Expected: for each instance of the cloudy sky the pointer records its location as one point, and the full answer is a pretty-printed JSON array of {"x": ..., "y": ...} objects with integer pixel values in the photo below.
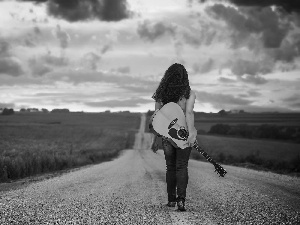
[{"x": 97, "y": 55}]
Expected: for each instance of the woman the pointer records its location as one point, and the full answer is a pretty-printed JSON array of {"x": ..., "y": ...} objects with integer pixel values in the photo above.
[{"x": 174, "y": 87}]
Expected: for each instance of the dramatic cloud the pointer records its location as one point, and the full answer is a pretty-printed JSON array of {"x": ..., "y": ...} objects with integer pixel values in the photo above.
[
  {"x": 192, "y": 38},
  {"x": 295, "y": 105},
  {"x": 32, "y": 38},
  {"x": 6, "y": 105},
  {"x": 264, "y": 23},
  {"x": 124, "y": 69},
  {"x": 248, "y": 71},
  {"x": 132, "y": 102},
  {"x": 203, "y": 33},
  {"x": 253, "y": 79},
  {"x": 226, "y": 80},
  {"x": 62, "y": 36},
  {"x": 4, "y": 48},
  {"x": 54, "y": 60},
  {"x": 288, "y": 6},
  {"x": 9, "y": 64},
  {"x": 259, "y": 108},
  {"x": 152, "y": 31},
  {"x": 111, "y": 39},
  {"x": 240, "y": 67},
  {"x": 120, "y": 80},
  {"x": 239, "y": 54},
  {"x": 37, "y": 30},
  {"x": 267, "y": 39},
  {"x": 230, "y": 102},
  {"x": 106, "y": 48},
  {"x": 29, "y": 43},
  {"x": 287, "y": 52},
  {"x": 204, "y": 67},
  {"x": 292, "y": 101},
  {"x": 90, "y": 61},
  {"x": 44, "y": 64},
  {"x": 141, "y": 88},
  {"x": 254, "y": 93},
  {"x": 178, "y": 45},
  {"x": 38, "y": 68},
  {"x": 81, "y": 10},
  {"x": 221, "y": 100}
]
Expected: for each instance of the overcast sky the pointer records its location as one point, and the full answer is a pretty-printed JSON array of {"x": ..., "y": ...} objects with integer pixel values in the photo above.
[{"x": 97, "y": 55}]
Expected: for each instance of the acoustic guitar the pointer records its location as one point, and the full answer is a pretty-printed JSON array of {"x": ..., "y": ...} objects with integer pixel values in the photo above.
[{"x": 169, "y": 122}]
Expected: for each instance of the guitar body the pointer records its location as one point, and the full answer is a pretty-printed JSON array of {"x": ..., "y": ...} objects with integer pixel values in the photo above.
[{"x": 169, "y": 122}]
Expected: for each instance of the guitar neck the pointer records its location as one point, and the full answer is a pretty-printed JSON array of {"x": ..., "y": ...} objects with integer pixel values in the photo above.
[{"x": 207, "y": 157}]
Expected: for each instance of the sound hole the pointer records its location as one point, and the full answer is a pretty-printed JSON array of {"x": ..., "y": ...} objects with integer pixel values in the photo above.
[{"x": 182, "y": 132}]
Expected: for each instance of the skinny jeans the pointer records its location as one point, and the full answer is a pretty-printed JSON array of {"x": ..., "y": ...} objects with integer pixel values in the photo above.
[{"x": 177, "y": 170}]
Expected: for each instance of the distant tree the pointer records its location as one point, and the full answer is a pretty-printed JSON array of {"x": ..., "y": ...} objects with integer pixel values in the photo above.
[
  {"x": 45, "y": 110},
  {"x": 107, "y": 111},
  {"x": 241, "y": 111},
  {"x": 32, "y": 110},
  {"x": 222, "y": 112},
  {"x": 150, "y": 113},
  {"x": 8, "y": 111},
  {"x": 22, "y": 110},
  {"x": 60, "y": 111}
]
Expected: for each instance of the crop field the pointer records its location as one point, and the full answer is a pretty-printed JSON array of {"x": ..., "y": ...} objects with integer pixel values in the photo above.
[
  {"x": 33, "y": 143},
  {"x": 242, "y": 147},
  {"x": 204, "y": 121},
  {"x": 276, "y": 155}
]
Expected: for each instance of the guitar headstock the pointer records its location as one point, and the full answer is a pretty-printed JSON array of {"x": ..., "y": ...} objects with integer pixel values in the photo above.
[{"x": 220, "y": 170}]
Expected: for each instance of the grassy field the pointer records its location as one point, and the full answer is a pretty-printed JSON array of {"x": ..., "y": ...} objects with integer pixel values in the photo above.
[
  {"x": 34, "y": 143},
  {"x": 241, "y": 147},
  {"x": 274, "y": 155},
  {"x": 264, "y": 154},
  {"x": 204, "y": 121}
]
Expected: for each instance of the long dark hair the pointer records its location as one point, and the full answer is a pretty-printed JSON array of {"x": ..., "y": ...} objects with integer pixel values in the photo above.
[{"x": 173, "y": 85}]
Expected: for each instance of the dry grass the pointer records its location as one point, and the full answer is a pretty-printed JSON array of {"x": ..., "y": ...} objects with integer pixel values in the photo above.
[
  {"x": 33, "y": 143},
  {"x": 241, "y": 148},
  {"x": 206, "y": 121}
]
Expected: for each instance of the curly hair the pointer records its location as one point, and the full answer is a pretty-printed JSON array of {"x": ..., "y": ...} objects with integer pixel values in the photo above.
[{"x": 173, "y": 85}]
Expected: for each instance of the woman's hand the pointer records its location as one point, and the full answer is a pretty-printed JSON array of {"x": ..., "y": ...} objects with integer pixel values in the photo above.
[
  {"x": 154, "y": 146},
  {"x": 192, "y": 137}
]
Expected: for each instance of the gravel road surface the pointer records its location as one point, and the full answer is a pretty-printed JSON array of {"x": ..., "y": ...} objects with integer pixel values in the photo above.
[{"x": 132, "y": 190}]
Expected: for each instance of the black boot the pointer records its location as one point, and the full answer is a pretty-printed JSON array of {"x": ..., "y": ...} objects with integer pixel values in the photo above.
[
  {"x": 171, "y": 204},
  {"x": 181, "y": 204},
  {"x": 171, "y": 200}
]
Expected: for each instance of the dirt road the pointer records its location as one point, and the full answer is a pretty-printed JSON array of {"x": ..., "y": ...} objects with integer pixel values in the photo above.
[{"x": 132, "y": 190}]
